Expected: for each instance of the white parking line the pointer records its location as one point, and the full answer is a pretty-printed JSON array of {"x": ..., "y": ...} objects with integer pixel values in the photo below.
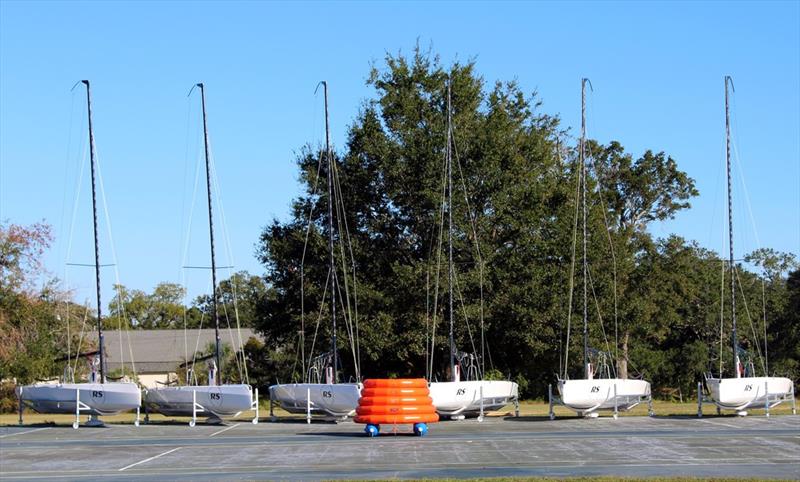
[
  {"x": 21, "y": 433},
  {"x": 149, "y": 459},
  {"x": 717, "y": 422},
  {"x": 225, "y": 429}
]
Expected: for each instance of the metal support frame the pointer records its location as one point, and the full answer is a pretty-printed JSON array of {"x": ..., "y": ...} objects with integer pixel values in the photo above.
[
  {"x": 480, "y": 417},
  {"x": 272, "y": 416},
  {"x": 21, "y": 405},
  {"x": 196, "y": 407},
  {"x": 700, "y": 399},
  {"x": 516, "y": 406},
  {"x": 616, "y": 407},
  {"x": 650, "y": 411},
  {"x": 550, "y": 399},
  {"x": 254, "y": 406},
  {"x": 308, "y": 406},
  {"x": 79, "y": 407},
  {"x": 136, "y": 422},
  {"x": 794, "y": 401},
  {"x": 146, "y": 409},
  {"x": 766, "y": 398}
]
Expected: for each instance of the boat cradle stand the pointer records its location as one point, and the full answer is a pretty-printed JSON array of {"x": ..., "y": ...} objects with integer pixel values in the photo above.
[
  {"x": 273, "y": 403},
  {"x": 591, "y": 412},
  {"x": 482, "y": 412},
  {"x": 703, "y": 399}
]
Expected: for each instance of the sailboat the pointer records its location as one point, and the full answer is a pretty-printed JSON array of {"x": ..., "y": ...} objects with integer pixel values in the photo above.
[
  {"x": 97, "y": 396},
  {"x": 459, "y": 398},
  {"x": 600, "y": 388},
  {"x": 216, "y": 399},
  {"x": 318, "y": 396},
  {"x": 744, "y": 390}
]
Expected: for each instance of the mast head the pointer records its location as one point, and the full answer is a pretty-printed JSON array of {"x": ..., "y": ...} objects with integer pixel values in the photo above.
[{"x": 324, "y": 85}]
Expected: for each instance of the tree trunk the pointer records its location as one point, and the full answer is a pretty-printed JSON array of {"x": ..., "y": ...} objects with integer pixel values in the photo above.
[{"x": 622, "y": 363}]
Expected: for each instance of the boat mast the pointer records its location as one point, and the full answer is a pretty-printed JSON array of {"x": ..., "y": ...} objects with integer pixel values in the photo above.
[
  {"x": 96, "y": 240},
  {"x": 332, "y": 268},
  {"x": 586, "y": 368},
  {"x": 728, "y": 80},
  {"x": 448, "y": 161},
  {"x": 211, "y": 236}
]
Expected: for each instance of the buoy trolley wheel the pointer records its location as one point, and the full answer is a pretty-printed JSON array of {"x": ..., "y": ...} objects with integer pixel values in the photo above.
[
  {"x": 420, "y": 429},
  {"x": 372, "y": 430}
]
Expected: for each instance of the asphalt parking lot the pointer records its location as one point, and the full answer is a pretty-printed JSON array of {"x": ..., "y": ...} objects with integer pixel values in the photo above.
[{"x": 630, "y": 446}]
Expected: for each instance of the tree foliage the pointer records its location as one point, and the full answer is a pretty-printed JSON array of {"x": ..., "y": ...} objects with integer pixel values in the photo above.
[
  {"x": 514, "y": 207},
  {"x": 659, "y": 306},
  {"x": 165, "y": 307}
]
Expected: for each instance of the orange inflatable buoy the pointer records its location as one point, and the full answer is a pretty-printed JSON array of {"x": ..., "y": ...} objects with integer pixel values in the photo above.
[
  {"x": 394, "y": 392},
  {"x": 396, "y": 401},
  {"x": 396, "y": 383}
]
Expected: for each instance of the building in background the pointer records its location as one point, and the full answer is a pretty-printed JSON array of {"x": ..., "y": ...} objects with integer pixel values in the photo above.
[{"x": 158, "y": 354}]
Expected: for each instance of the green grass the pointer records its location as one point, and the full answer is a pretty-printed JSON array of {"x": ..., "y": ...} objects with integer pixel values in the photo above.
[
  {"x": 535, "y": 408},
  {"x": 527, "y": 408}
]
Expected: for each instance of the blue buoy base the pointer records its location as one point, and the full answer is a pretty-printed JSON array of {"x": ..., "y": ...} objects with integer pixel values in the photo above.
[
  {"x": 372, "y": 430},
  {"x": 420, "y": 429}
]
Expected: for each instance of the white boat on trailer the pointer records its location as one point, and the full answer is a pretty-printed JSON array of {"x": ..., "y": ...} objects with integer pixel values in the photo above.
[
  {"x": 334, "y": 400},
  {"x": 457, "y": 398},
  {"x": 592, "y": 393},
  {"x": 313, "y": 397},
  {"x": 90, "y": 398},
  {"x": 97, "y": 397},
  {"x": 338, "y": 400},
  {"x": 744, "y": 390},
  {"x": 588, "y": 396},
  {"x": 740, "y": 394},
  {"x": 473, "y": 397},
  {"x": 210, "y": 401},
  {"x": 216, "y": 399}
]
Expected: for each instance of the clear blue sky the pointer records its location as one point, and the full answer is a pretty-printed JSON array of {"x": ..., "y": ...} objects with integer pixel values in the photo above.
[{"x": 657, "y": 70}]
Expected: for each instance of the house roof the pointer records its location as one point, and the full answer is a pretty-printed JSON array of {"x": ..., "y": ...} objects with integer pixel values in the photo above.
[{"x": 159, "y": 351}]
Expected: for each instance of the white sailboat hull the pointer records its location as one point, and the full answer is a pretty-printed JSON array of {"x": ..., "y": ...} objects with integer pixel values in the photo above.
[
  {"x": 100, "y": 398},
  {"x": 215, "y": 400},
  {"x": 336, "y": 400},
  {"x": 586, "y": 396},
  {"x": 464, "y": 398},
  {"x": 743, "y": 393}
]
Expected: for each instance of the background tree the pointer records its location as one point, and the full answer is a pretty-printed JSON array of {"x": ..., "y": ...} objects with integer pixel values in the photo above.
[
  {"x": 32, "y": 335},
  {"x": 631, "y": 195},
  {"x": 515, "y": 199},
  {"x": 163, "y": 308},
  {"x": 514, "y": 214},
  {"x": 238, "y": 295}
]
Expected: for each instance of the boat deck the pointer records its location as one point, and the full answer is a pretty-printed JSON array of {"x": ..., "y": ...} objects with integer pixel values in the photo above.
[{"x": 631, "y": 446}]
